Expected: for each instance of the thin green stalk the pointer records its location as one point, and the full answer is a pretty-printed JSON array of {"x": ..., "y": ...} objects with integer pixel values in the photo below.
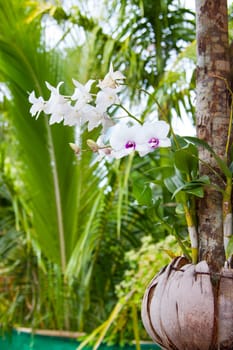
[
  {"x": 104, "y": 327},
  {"x": 181, "y": 244},
  {"x": 213, "y": 170},
  {"x": 57, "y": 198},
  {"x": 172, "y": 231},
  {"x": 227, "y": 214},
  {"x": 229, "y": 128},
  {"x": 192, "y": 234},
  {"x": 54, "y": 171},
  {"x": 117, "y": 309},
  {"x": 122, "y": 190},
  {"x": 227, "y": 206},
  {"x": 135, "y": 326},
  {"x": 231, "y": 115},
  {"x": 129, "y": 114}
]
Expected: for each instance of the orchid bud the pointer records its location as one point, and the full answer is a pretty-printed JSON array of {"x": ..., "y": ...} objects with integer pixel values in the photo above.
[
  {"x": 75, "y": 148},
  {"x": 92, "y": 145}
]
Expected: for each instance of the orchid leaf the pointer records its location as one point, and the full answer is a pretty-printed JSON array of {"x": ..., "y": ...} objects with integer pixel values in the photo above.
[
  {"x": 229, "y": 250},
  {"x": 196, "y": 191},
  {"x": 186, "y": 159},
  {"x": 194, "y": 187},
  {"x": 142, "y": 192},
  {"x": 201, "y": 143},
  {"x": 231, "y": 167},
  {"x": 173, "y": 183},
  {"x": 180, "y": 209},
  {"x": 165, "y": 171}
]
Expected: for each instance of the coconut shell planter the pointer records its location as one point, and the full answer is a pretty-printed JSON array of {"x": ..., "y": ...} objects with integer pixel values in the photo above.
[{"x": 181, "y": 310}]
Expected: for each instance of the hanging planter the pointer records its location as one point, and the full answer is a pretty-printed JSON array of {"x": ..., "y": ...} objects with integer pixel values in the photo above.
[{"x": 182, "y": 310}]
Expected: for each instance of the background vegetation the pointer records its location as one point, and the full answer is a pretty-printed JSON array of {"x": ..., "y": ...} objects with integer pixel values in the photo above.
[{"x": 78, "y": 240}]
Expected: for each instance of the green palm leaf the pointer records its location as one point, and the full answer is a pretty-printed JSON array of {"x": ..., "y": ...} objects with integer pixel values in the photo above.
[{"x": 47, "y": 161}]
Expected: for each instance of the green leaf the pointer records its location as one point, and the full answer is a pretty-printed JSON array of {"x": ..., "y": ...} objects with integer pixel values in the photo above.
[
  {"x": 173, "y": 185},
  {"x": 201, "y": 143},
  {"x": 231, "y": 167},
  {"x": 229, "y": 250},
  {"x": 186, "y": 159},
  {"x": 194, "y": 187},
  {"x": 142, "y": 192},
  {"x": 180, "y": 209},
  {"x": 197, "y": 191},
  {"x": 165, "y": 171}
]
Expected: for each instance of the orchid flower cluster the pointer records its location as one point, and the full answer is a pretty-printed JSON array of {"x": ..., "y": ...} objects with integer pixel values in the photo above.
[{"x": 118, "y": 137}]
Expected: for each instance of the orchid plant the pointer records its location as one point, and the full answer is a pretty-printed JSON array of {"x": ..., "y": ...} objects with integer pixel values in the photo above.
[
  {"x": 82, "y": 108},
  {"x": 122, "y": 135}
]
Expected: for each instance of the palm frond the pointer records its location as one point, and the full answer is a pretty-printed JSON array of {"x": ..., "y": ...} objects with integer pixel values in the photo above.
[{"x": 23, "y": 69}]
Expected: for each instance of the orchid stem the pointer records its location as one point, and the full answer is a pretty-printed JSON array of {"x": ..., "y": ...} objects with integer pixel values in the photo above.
[
  {"x": 231, "y": 114},
  {"x": 192, "y": 234},
  {"x": 227, "y": 207},
  {"x": 227, "y": 215},
  {"x": 129, "y": 114}
]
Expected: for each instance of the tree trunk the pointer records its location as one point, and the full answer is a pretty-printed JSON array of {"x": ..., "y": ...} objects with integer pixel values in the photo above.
[
  {"x": 188, "y": 306},
  {"x": 212, "y": 112}
]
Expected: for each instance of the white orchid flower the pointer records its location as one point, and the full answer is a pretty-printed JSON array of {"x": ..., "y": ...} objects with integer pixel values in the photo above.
[
  {"x": 76, "y": 110},
  {"x": 55, "y": 99},
  {"x": 107, "y": 122},
  {"x": 72, "y": 117},
  {"x": 153, "y": 135},
  {"x": 111, "y": 79},
  {"x": 57, "y": 105},
  {"x": 141, "y": 138},
  {"x": 38, "y": 104},
  {"x": 60, "y": 113},
  {"x": 82, "y": 92},
  {"x": 123, "y": 139},
  {"x": 106, "y": 98},
  {"x": 92, "y": 116}
]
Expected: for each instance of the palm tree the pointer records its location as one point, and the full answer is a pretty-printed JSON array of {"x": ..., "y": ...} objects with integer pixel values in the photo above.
[
  {"x": 54, "y": 184},
  {"x": 140, "y": 37}
]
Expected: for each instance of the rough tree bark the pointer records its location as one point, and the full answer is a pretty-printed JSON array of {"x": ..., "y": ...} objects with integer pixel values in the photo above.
[{"x": 212, "y": 112}]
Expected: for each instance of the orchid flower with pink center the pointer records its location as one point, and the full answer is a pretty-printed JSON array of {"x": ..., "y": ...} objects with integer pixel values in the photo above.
[
  {"x": 111, "y": 79},
  {"x": 153, "y": 135},
  {"x": 144, "y": 138},
  {"x": 123, "y": 139}
]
